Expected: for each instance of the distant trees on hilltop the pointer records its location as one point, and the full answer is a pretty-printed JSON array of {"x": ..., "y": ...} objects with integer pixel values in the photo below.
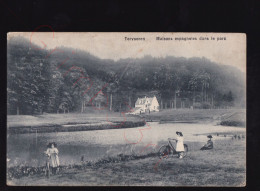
[{"x": 71, "y": 80}]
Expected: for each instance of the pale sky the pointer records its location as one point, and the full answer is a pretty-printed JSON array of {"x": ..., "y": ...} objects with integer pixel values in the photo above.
[{"x": 231, "y": 51}]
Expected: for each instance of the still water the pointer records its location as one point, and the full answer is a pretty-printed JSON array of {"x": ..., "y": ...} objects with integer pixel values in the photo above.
[{"x": 28, "y": 149}]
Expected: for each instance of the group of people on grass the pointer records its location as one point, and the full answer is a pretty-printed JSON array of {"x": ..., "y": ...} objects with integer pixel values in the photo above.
[
  {"x": 180, "y": 145},
  {"x": 53, "y": 161}
]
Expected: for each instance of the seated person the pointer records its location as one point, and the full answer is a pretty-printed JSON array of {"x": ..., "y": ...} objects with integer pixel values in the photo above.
[{"x": 209, "y": 144}]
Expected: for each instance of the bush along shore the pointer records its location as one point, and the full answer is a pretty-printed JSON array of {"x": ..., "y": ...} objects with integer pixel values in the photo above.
[
  {"x": 25, "y": 171},
  {"x": 75, "y": 127},
  {"x": 233, "y": 123}
]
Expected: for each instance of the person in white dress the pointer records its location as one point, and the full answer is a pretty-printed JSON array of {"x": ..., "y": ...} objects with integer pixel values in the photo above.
[
  {"x": 179, "y": 144},
  {"x": 53, "y": 158}
]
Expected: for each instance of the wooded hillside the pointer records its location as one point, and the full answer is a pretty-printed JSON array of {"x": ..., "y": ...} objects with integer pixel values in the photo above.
[{"x": 70, "y": 80}]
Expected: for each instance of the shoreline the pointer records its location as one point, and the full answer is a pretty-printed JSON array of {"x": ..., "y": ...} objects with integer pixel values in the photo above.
[
  {"x": 107, "y": 171},
  {"x": 74, "y": 127},
  {"x": 47, "y": 123}
]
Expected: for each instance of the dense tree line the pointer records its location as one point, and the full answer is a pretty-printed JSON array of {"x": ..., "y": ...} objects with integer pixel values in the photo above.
[{"x": 71, "y": 80}]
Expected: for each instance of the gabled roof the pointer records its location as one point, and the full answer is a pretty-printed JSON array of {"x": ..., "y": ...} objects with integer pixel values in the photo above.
[{"x": 141, "y": 101}]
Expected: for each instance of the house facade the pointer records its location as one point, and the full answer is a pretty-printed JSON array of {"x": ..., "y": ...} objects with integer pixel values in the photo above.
[{"x": 146, "y": 104}]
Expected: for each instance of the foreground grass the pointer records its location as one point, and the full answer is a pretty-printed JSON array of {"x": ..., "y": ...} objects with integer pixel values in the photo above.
[{"x": 222, "y": 166}]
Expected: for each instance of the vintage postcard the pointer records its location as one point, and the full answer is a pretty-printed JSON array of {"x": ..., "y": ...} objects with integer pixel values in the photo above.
[{"x": 126, "y": 109}]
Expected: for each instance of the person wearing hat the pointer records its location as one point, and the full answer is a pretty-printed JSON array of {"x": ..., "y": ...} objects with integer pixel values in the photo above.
[
  {"x": 179, "y": 144},
  {"x": 53, "y": 158},
  {"x": 209, "y": 144}
]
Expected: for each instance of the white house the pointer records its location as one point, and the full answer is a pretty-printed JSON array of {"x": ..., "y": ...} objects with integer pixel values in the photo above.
[{"x": 146, "y": 104}]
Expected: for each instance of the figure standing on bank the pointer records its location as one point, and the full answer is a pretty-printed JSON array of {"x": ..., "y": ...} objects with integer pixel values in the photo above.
[
  {"x": 53, "y": 158},
  {"x": 179, "y": 144}
]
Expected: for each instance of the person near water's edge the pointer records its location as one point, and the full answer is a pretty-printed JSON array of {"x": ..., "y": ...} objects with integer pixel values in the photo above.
[
  {"x": 53, "y": 158},
  {"x": 209, "y": 144},
  {"x": 179, "y": 144}
]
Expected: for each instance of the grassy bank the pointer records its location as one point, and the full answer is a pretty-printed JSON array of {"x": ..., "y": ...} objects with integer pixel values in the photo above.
[
  {"x": 237, "y": 118},
  {"x": 221, "y": 116},
  {"x": 222, "y": 166},
  {"x": 100, "y": 120},
  {"x": 70, "y": 122}
]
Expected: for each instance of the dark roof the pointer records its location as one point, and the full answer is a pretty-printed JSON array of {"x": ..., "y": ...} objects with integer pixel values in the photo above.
[{"x": 141, "y": 101}]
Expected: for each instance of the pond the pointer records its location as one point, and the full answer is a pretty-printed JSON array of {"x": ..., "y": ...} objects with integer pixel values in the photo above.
[{"x": 28, "y": 149}]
